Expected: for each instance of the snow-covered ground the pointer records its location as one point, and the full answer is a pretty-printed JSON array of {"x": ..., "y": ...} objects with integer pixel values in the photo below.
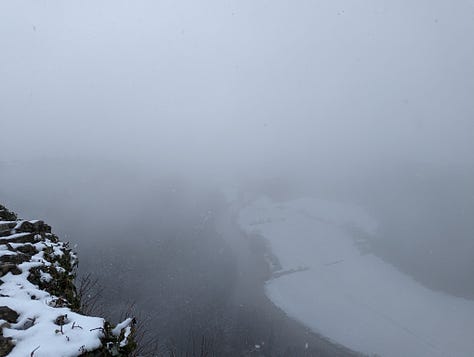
[{"x": 349, "y": 295}]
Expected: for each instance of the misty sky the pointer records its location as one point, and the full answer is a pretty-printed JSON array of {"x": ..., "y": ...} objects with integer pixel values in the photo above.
[{"x": 238, "y": 83}]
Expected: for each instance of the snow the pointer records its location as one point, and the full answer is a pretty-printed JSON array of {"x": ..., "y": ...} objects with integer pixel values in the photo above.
[
  {"x": 35, "y": 329},
  {"x": 354, "y": 298},
  {"x": 14, "y": 236},
  {"x": 122, "y": 325},
  {"x": 46, "y": 277}
]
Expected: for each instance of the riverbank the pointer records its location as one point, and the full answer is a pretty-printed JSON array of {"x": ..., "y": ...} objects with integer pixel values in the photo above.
[
  {"x": 348, "y": 294},
  {"x": 263, "y": 325}
]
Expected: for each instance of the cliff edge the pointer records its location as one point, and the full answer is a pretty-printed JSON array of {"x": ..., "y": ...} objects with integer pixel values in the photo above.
[{"x": 39, "y": 307}]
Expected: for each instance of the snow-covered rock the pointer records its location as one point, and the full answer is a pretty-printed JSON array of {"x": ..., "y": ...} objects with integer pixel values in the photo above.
[{"x": 39, "y": 308}]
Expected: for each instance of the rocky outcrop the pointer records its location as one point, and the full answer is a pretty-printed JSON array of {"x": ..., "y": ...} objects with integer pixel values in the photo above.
[{"x": 39, "y": 307}]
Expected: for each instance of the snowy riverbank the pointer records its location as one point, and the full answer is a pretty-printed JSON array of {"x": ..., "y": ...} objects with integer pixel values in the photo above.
[{"x": 348, "y": 294}]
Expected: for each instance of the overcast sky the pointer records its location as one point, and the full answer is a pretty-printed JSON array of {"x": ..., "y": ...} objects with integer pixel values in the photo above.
[{"x": 238, "y": 83}]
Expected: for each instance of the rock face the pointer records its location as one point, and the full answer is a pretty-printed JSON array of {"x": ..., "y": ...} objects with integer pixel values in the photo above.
[{"x": 39, "y": 307}]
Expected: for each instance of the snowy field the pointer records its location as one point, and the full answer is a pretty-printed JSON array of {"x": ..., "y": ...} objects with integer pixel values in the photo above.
[{"x": 349, "y": 295}]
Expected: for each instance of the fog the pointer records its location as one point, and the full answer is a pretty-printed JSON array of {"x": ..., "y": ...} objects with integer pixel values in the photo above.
[
  {"x": 207, "y": 84},
  {"x": 127, "y": 125}
]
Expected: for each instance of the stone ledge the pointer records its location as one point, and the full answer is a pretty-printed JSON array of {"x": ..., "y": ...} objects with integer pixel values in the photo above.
[{"x": 39, "y": 307}]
